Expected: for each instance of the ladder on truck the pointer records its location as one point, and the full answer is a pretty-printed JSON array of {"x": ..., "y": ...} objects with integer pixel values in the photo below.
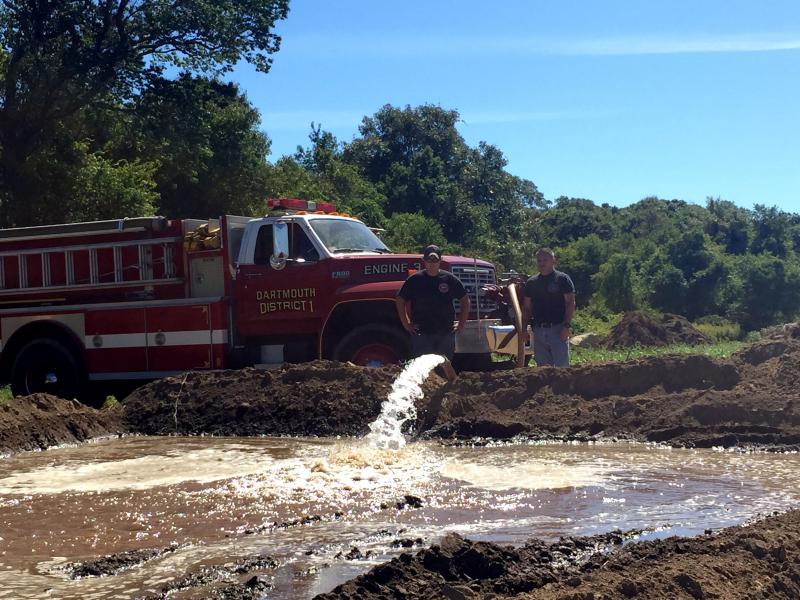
[{"x": 87, "y": 265}]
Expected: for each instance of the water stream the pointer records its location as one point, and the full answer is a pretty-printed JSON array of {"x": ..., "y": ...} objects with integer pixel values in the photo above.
[{"x": 399, "y": 407}]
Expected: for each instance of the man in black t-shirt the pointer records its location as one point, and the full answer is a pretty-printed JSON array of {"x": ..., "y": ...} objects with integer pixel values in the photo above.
[
  {"x": 429, "y": 295},
  {"x": 549, "y": 305}
]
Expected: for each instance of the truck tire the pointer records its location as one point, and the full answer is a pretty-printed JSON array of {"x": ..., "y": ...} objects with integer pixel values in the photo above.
[
  {"x": 47, "y": 366},
  {"x": 373, "y": 346}
]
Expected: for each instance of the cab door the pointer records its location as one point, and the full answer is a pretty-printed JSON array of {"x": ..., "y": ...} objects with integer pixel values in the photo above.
[{"x": 284, "y": 296}]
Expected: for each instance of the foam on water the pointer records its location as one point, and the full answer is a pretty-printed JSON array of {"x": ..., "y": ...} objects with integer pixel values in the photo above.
[{"x": 386, "y": 430}]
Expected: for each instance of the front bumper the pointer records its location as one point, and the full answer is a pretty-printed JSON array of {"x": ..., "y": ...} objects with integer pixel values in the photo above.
[
  {"x": 485, "y": 336},
  {"x": 497, "y": 334}
]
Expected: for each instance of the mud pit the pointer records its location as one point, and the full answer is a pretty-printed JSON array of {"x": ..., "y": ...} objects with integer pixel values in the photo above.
[
  {"x": 212, "y": 517},
  {"x": 201, "y": 517}
]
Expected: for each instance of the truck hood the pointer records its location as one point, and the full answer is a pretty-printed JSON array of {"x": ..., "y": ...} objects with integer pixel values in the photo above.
[{"x": 409, "y": 259}]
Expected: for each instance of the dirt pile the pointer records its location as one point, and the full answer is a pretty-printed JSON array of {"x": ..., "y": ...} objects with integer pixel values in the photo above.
[
  {"x": 460, "y": 568},
  {"x": 318, "y": 398},
  {"x": 115, "y": 563},
  {"x": 683, "y": 400},
  {"x": 787, "y": 331},
  {"x": 639, "y": 329},
  {"x": 758, "y": 561},
  {"x": 40, "y": 421}
]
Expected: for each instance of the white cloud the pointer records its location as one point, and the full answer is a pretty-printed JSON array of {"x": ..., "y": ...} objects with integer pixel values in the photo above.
[
  {"x": 430, "y": 46},
  {"x": 637, "y": 45}
]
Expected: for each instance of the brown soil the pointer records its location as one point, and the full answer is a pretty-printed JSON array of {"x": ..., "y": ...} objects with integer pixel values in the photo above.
[
  {"x": 758, "y": 561},
  {"x": 639, "y": 329},
  {"x": 115, "y": 563},
  {"x": 40, "y": 421},
  {"x": 318, "y": 398},
  {"x": 683, "y": 400},
  {"x": 787, "y": 331}
]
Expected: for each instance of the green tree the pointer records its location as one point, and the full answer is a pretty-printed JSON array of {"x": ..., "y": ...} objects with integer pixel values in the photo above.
[
  {"x": 666, "y": 285},
  {"x": 660, "y": 220},
  {"x": 206, "y": 135},
  {"x": 59, "y": 58},
  {"x": 106, "y": 189},
  {"x": 730, "y": 225},
  {"x": 340, "y": 182},
  {"x": 411, "y": 232},
  {"x": 419, "y": 161},
  {"x": 571, "y": 219},
  {"x": 615, "y": 284},
  {"x": 767, "y": 290},
  {"x": 773, "y": 230}
]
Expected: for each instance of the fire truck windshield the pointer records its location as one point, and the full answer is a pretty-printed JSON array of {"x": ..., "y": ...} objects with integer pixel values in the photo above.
[{"x": 344, "y": 235}]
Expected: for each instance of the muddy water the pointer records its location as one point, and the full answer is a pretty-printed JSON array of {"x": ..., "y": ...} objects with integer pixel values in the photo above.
[{"x": 216, "y": 499}]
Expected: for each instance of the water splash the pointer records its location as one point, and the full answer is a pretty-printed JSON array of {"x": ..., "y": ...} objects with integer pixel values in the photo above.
[{"x": 385, "y": 431}]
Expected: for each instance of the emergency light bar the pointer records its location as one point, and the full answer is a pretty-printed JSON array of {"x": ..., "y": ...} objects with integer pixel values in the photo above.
[{"x": 296, "y": 204}]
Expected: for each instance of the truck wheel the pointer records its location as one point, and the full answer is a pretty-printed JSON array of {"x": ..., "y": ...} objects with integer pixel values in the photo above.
[
  {"x": 373, "y": 346},
  {"x": 46, "y": 366}
]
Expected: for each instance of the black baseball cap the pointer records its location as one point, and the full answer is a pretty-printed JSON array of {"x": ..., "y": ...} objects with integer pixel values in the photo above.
[{"x": 432, "y": 250}]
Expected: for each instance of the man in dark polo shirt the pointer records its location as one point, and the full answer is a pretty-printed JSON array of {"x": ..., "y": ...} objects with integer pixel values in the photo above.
[
  {"x": 425, "y": 308},
  {"x": 549, "y": 304}
]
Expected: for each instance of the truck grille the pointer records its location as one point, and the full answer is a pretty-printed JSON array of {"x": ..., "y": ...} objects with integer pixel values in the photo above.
[{"x": 473, "y": 279}]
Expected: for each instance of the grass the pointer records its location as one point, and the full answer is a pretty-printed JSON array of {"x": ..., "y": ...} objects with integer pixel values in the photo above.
[
  {"x": 721, "y": 331},
  {"x": 5, "y": 394},
  {"x": 584, "y": 356},
  {"x": 110, "y": 402}
]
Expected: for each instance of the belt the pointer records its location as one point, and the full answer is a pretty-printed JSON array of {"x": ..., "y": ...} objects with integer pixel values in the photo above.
[{"x": 546, "y": 324}]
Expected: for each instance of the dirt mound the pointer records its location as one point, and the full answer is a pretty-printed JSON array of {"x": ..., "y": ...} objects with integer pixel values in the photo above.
[
  {"x": 683, "y": 400},
  {"x": 787, "y": 331},
  {"x": 639, "y": 329},
  {"x": 39, "y": 421},
  {"x": 460, "y": 568},
  {"x": 758, "y": 561},
  {"x": 319, "y": 398}
]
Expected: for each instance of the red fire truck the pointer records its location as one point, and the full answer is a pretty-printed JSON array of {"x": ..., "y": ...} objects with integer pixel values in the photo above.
[{"x": 142, "y": 298}]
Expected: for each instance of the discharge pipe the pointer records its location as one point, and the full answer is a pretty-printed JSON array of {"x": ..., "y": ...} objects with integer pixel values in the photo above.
[{"x": 518, "y": 324}]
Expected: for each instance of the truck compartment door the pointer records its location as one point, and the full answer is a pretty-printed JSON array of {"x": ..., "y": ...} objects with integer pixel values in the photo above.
[
  {"x": 116, "y": 341},
  {"x": 179, "y": 337}
]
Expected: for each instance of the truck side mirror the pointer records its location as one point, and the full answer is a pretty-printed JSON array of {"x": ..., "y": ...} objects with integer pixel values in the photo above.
[{"x": 280, "y": 246}]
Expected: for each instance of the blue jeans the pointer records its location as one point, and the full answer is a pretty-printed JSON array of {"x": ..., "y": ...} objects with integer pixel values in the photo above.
[{"x": 548, "y": 349}]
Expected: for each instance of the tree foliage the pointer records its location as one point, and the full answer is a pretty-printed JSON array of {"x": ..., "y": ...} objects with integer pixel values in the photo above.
[
  {"x": 59, "y": 60},
  {"x": 411, "y": 232}
]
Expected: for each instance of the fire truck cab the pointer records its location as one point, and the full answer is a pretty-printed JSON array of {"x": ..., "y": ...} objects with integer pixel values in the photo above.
[{"x": 150, "y": 297}]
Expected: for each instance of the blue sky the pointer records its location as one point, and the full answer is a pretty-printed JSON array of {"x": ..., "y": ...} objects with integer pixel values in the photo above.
[{"x": 607, "y": 100}]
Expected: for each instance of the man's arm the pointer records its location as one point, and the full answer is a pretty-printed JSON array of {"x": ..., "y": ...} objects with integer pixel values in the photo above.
[
  {"x": 569, "y": 312},
  {"x": 527, "y": 313},
  {"x": 402, "y": 312},
  {"x": 463, "y": 313}
]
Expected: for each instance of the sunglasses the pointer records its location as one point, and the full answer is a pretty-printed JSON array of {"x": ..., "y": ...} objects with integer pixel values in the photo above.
[{"x": 431, "y": 259}]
